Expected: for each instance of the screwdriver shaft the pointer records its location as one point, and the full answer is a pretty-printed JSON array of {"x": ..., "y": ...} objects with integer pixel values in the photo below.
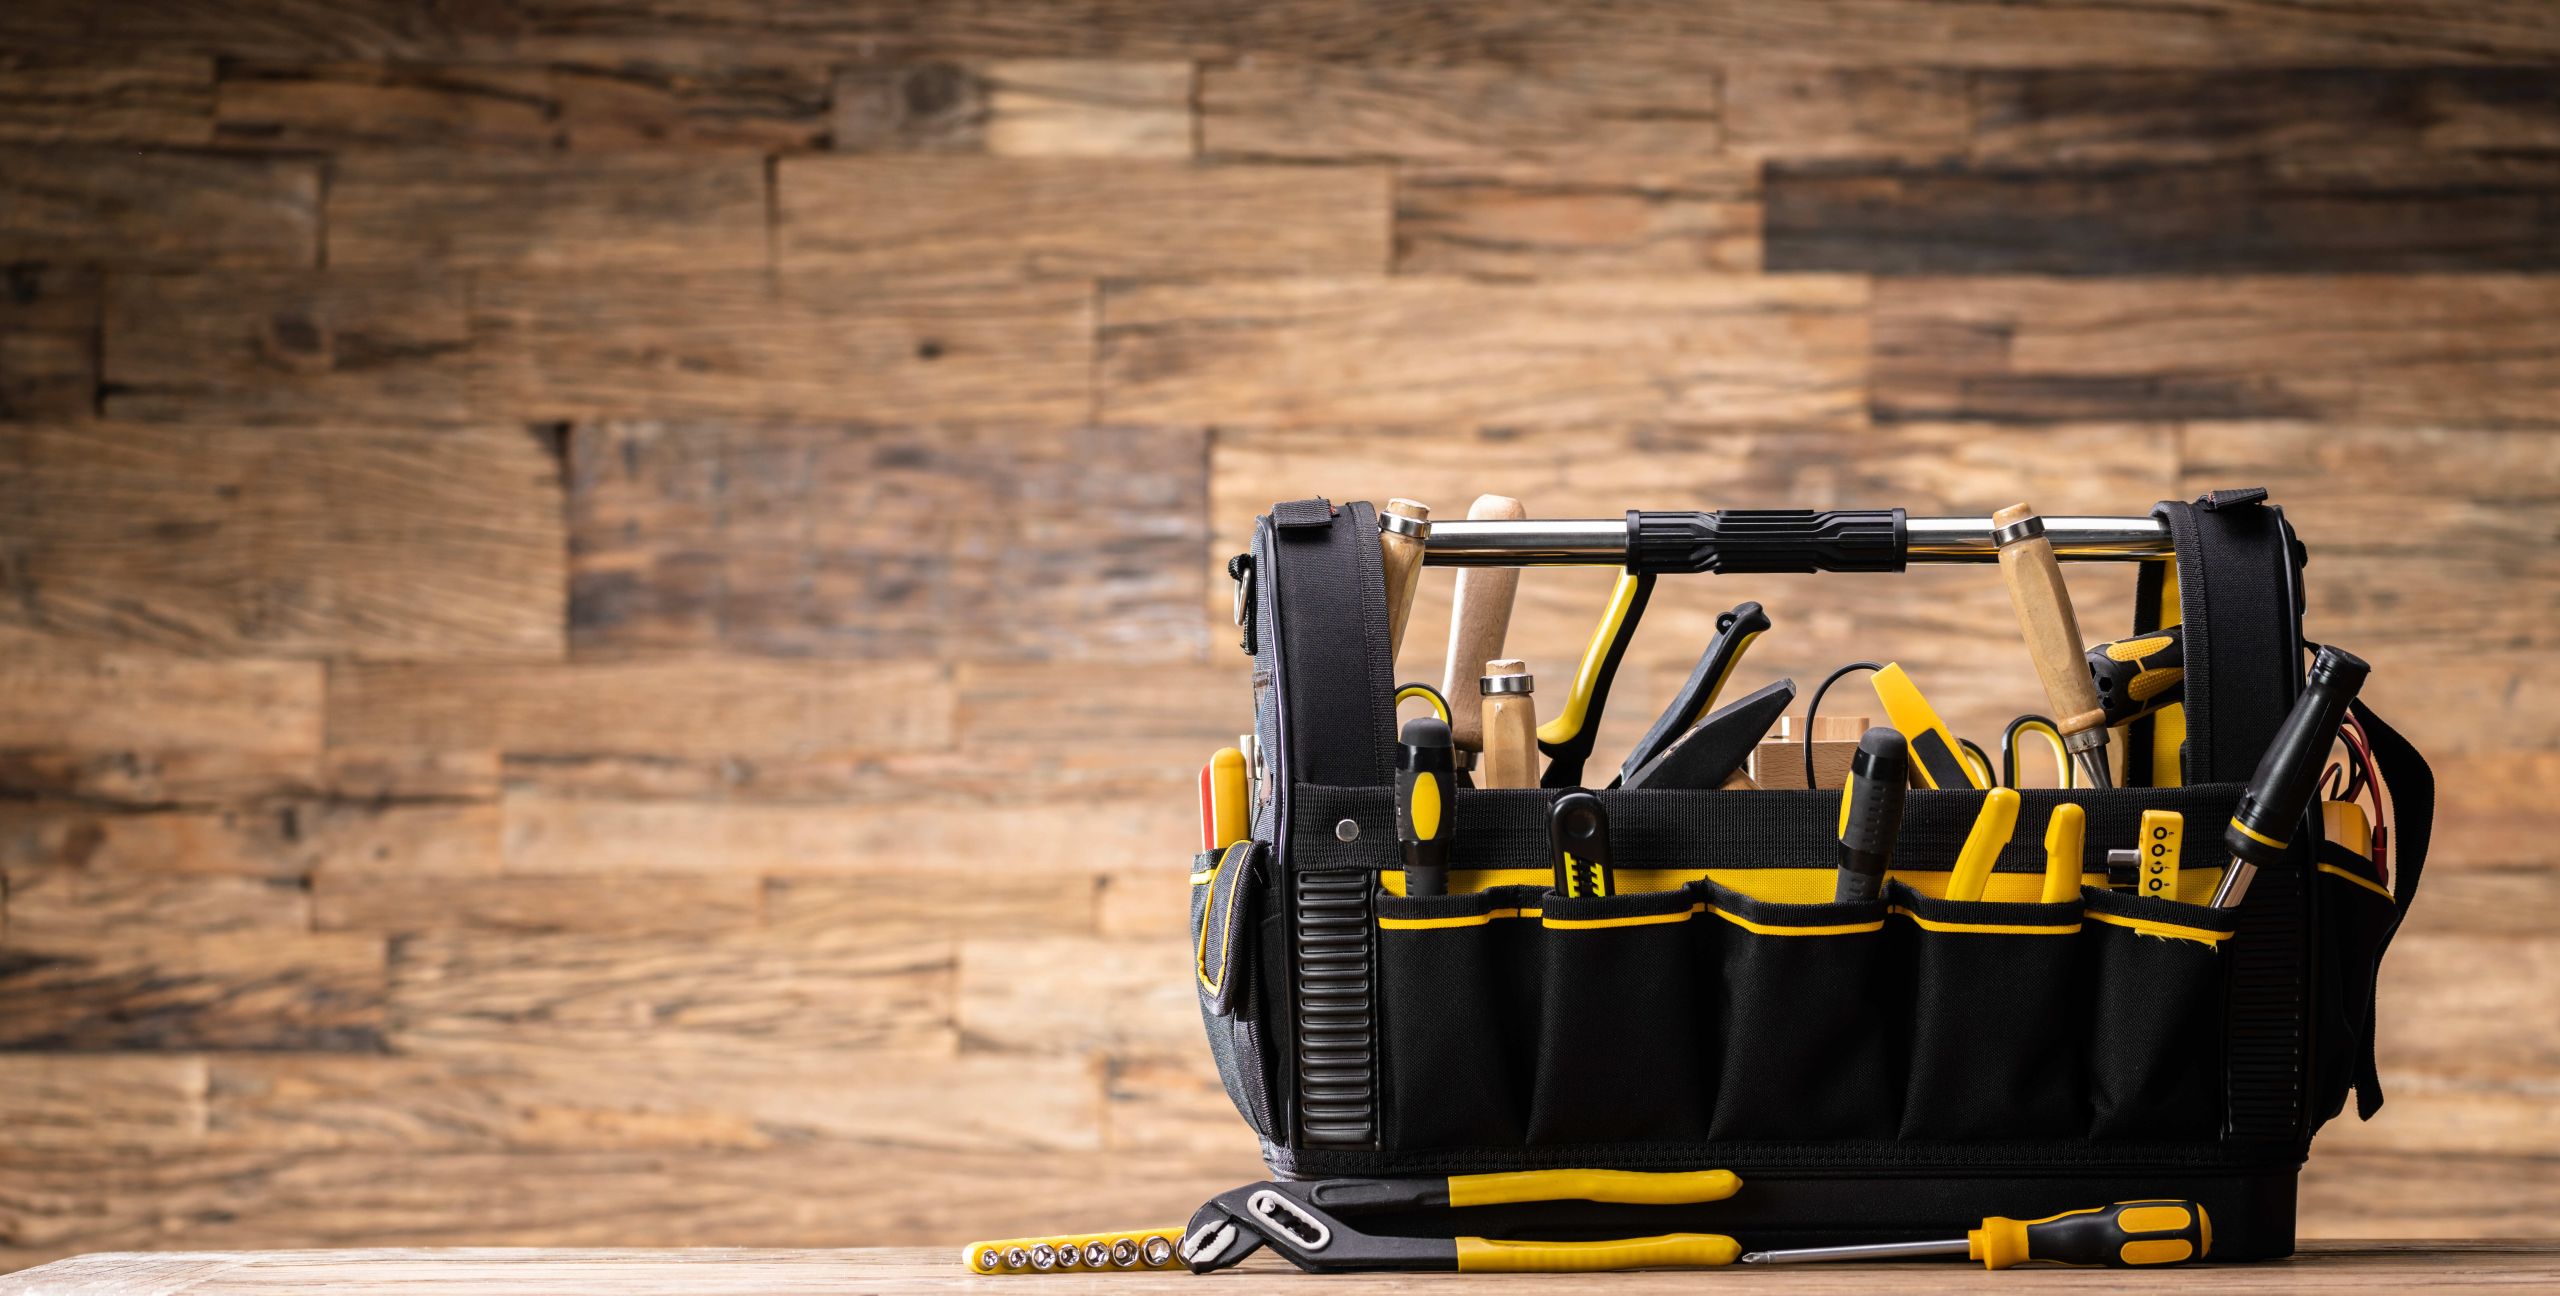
[{"x": 1869, "y": 1251}]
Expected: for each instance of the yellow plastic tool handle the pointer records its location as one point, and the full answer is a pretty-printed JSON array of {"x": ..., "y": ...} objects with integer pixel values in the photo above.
[
  {"x": 2127, "y": 1235},
  {"x": 1671, "y": 1250},
  {"x": 1616, "y": 1187},
  {"x": 1934, "y": 752},
  {"x": 1991, "y": 830},
  {"x": 2064, "y": 832},
  {"x": 2164, "y": 832}
]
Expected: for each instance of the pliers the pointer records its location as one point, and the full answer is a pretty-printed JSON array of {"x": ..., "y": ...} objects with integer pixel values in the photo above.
[{"x": 1305, "y": 1223}]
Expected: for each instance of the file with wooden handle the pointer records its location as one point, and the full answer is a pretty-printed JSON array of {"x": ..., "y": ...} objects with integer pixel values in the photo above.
[
  {"x": 1510, "y": 757},
  {"x": 2052, "y": 630}
]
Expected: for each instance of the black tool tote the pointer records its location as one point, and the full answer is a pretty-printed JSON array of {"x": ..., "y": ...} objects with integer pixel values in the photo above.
[{"x": 1875, "y": 1071}]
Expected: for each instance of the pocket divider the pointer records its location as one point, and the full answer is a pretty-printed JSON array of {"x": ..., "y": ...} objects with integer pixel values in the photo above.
[{"x": 2001, "y": 1001}]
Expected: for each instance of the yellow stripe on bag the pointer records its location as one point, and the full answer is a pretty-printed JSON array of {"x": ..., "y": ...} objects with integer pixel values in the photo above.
[
  {"x": 1777, "y": 885},
  {"x": 2154, "y": 927},
  {"x": 1990, "y": 929},
  {"x": 2367, "y": 883}
]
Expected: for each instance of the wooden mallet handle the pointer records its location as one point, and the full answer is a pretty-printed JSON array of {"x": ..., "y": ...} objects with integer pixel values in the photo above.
[
  {"x": 1400, "y": 545},
  {"x": 1478, "y": 621}
]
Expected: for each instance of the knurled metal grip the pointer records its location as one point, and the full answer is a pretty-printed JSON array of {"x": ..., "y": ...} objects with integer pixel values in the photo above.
[{"x": 1767, "y": 540}]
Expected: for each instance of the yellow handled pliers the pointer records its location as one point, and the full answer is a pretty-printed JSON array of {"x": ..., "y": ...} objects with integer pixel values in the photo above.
[{"x": 1307, "y": 1223}]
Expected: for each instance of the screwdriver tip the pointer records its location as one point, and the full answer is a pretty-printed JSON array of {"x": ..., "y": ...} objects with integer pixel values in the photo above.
[{"x": 1755, "y": 1257}]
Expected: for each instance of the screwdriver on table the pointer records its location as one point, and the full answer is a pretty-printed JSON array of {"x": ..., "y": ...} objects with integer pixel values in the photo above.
[
  {"x": 2280, "y": 791},
  {"x": 2127, "y": 1235},
  {"x": 2052, "y": 632}
]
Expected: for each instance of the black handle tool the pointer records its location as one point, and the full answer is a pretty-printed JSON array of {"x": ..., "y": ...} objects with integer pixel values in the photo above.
[
  {"x": 2262, "y": 824},
  {"x": 1871, "y": 813},
  {"x": 1578, "y": 831},
  {"x": 1734, "y": 632},
  {"x": 1713, "y": 752}
]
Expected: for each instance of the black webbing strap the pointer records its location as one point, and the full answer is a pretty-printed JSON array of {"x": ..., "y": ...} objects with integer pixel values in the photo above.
[
  {"x": 2412, "y": 786},
  {"x": 2236, "y": 595}
]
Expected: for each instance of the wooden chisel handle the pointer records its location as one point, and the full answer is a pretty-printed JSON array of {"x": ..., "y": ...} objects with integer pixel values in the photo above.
[
  {"x": 2052, "y": 631},
  {"x": 1400, "y": 545},
  {"x": 1478, "y": 620}
]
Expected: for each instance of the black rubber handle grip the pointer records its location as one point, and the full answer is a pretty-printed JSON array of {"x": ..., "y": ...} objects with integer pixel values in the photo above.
[
  {"x": 1767, "y": 540},
  {"x": 2262, "y": 824}
]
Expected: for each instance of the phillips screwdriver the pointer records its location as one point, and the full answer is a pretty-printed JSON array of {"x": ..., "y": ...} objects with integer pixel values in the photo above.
[
  {"x": 1871, "y": 814},
  {"x": 2280, "y": 791},
  {"x": 2127, "y": 1235},
  {"x": 1425, "y": 780},
  {"x": 2137, "y": 676},
  {"x": 2034, "y": 577},
  {"x": 1404, "y": 526}
]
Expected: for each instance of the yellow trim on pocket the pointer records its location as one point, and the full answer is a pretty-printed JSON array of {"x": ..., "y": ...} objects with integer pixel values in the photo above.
[
  {"x": 2154, "y": 927},
  {"x": 1776, "y": 885},
  {"x": 2367, "y": 883},
  {"x": 1990, "y": 929},
  {"x": 1204, "y": 877},
  {"x": 1780, "y": 929},
  {"x": 1454, "y": 920},
  {"x": 1630, "y": 920}
]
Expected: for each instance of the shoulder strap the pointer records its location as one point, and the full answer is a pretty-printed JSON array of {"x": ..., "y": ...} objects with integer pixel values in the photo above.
[
  {"x": 2239, "y": 582},
  {"x": 2413, "y": 812}
]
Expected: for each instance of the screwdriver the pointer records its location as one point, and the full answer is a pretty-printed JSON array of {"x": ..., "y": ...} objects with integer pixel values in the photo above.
[
  {"x": 1871, "y": 814},
  {"x": 2127, "y": 1235},
  {"x": 2137, "y": 676},
  {"x": 2263, "y": 823},
  {"x": 2052, "y": 632},
  {"x": 1404, "y": 527},
  {"x": 1424, "y": 779}
]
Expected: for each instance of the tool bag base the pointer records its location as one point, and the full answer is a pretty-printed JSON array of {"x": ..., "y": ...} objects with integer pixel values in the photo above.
[{"x": 1873, "y": 1070}]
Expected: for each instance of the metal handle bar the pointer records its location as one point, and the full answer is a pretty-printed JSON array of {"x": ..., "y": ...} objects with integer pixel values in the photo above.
[{"x": 1774, "y": 540}]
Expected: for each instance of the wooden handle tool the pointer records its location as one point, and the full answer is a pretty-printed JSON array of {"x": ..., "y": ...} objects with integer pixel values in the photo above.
[
  {"x": 1478, "y": 620},
  {"x": 1403, "y": 526},
  {"x": 1510, "y": 727},
  {"x": 2053, "y": 637}
]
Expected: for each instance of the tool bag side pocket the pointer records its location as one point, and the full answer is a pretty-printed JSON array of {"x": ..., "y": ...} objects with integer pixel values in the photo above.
[
  {"x": 2155, "y": 1042},
  {"x": 1459, "y": 1009},
  {"x": 1810, "y": 1009},
  {"x": 2357, "y": 913},
  {"x": 1625, "y": 1035},
  {"x": 1999, "y": 1006},
  {"x": 1223, "y": 921}
]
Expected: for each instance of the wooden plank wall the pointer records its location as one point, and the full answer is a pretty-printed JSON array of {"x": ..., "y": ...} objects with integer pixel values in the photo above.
[{"x": 609, "y": 608}]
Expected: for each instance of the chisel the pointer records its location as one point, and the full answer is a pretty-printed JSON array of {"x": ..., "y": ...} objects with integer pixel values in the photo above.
[
  {"x": 2280, "y": 791},
  {"x": 1404, "y": 526},
  {"x": 2034, "y": 576},
  {"x": 1478, "y": 621},
  {"x": 1510, "y": 757}
]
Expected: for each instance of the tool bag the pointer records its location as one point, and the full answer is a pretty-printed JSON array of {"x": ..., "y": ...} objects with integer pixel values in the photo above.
[{"x": 1874, "y": 1071}]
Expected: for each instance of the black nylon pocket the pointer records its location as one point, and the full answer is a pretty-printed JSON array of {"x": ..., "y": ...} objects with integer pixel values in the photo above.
[
  {"x": 1811, "y": 1007},
  {"x": 2155, "y": 1044},
  {"x": 2000, "y": 1007},
  {"x": 2356, "y": 917},
  {"x": 1459, "y": 1015},
  {"x": 1624, "y": 1041},
  {"x": 1223, "y": 923}
]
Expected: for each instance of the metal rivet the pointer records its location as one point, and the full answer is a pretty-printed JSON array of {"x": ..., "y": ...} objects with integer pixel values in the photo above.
[{"x": 1347, "y": 830}]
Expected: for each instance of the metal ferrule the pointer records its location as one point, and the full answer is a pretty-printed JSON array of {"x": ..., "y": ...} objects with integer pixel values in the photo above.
[
  {"x": 1509, "y": 684},
  {"x": 2025, "y": 528},
  {"x": 1602, "y": 542},
  {"x": 1398, "y": 524}
]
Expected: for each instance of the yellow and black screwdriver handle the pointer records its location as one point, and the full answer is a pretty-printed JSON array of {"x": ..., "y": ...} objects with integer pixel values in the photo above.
[
  {"x": 1309, "y": 1223},
  {"x": 2127, "y": 1235},
  {"x": 2137, "y": 676}
]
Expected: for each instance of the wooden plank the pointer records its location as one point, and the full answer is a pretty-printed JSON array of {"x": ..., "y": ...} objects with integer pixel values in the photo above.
[
  {"x": 548, "y": 1271},
  {"x": 2451, "y": 1115},
  {"x": 460, "y": 992},
  {"x": 1063, "y": 994},
  {"x": 1484, "y": 112},
  {"x": 870, "y": 541},
  {"x": 1037, "y": 828},
  {"x": 841, "y": 1193},
  {"x": 2435, "y": 351},
  {"x": 278, "y": 842},
  {"x": 411, "y": 902},
  {"x": 2441, "y": 1013},
  {"x": 1146, "y": 901},
  {"x": 2239, "y": 217},
  {"x": 573, "y": 212},
  {"x": 2497, "y": 701},
  {"x": 2488, "y": 802},
  {"x": 1798, "y": 110},
  {"x": 46, "y": 903},
  {"x": 713, "y": 707},
  {"x": 354, "y": 105},
  {"x": 726, "y": 1097},
  {"x": 296, "y": 542},
  {"x": 909, "y": 106},
  {"x": 2488, "y": 901},
  {"x": 151, "y": 97},
  {"x": 2391, "y": 117},
  {"x": 925, "y": 216},
  {"x": 161, "y": 991},
  {"x": 100, "y": 1103},
  {"x": 360, "y": 773},
  {"x": 48, "y": 342},
  {"x": 2362, "y": 1195},
  {"x": 1445, "y": 351},
  {"x": 806, "y": 346},
  {"x": 142, "y": 778},
  {"x": 1171, "y": 1105},
  {"x": 1089, "y": 108},
  {"x": 693, "y": 105},
  {"x": 1933, "y": 619},
  {"x": 83, "y": 699},
  {"x": 2424, "y": 537},
  {"x": 267, "y": 29},
  {"x": 123, "y": 207},
  {"x": 1583, "y": 217},
  {"x": 392, "y": 347},
  {"x": 1137, "y": 719},
  {"x": 884, "y": 908}
]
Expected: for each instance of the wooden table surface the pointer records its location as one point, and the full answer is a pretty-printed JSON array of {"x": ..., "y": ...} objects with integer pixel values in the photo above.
[{"x": 2323, "y": 1266}]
